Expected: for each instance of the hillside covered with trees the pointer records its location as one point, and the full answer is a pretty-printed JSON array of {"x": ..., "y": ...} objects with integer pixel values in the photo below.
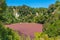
[{"x": 49, "y": 17}]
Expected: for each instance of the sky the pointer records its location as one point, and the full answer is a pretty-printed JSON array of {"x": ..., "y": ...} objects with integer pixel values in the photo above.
[{"x": 31, "y": 3}]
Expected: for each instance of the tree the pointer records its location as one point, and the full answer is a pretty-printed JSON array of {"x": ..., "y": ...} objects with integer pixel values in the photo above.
[
  {"x": 2, "y": 9},
  {"x": 2, "y": 5},
  {"x": 52, "y": 26},
  {"x": 53, "y": 29},
  {"x": 8, "y": 34}
]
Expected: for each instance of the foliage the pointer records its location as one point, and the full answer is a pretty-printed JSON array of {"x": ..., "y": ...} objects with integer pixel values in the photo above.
[
  {"x": 2, "y": 6},
  {"x": 40, "y": 36},
  {"x": 27, "y": 14},
  {"x": 43, "y": 36},
  {"x": 52, "y": 26},
  {"x": 8, "y": 34}
]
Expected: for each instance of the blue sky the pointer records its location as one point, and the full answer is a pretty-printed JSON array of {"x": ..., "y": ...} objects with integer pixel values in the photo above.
[{"x": 31, "y": 3}]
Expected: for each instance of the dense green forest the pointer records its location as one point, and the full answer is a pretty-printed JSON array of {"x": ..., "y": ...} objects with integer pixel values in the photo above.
[
  {"x": 15, "y": 14},
  {"x": 49, "y": 17}
]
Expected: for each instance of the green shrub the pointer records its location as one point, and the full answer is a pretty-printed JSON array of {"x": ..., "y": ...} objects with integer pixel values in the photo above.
[{"x": 8, "y": 34}]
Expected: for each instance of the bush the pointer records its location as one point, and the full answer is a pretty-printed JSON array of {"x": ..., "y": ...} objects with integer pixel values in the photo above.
[
  {"x": 8, "y": 34},
  {"x": 52, "y": 29}
]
